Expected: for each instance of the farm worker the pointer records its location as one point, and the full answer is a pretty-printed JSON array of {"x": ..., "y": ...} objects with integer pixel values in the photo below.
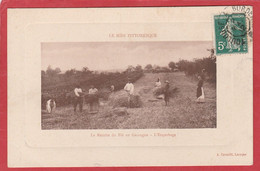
[
  {"x": 200, "y": 91},
  {"x": 50, "y": 105},
  {"x": 203, "y": 75},
  {"x": 157, "y": 89},
  {"x": 158, "y": 83},
  {"x": 129, "y": 88},
  {"x": 93, "y": 98},
  {"x": 167, "y": 92},
  {"x": 112, "y": 88},
  {"x": 79, "y": 98}
]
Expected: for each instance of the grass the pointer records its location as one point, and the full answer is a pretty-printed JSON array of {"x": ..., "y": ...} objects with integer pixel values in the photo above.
[{"x": 182, "y": 112}]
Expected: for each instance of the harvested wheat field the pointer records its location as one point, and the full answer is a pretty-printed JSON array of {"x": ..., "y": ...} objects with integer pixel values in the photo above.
[{"x": 146, "y": 112}]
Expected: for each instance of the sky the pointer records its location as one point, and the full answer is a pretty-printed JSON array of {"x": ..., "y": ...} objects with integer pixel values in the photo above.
[{"x": 118, "y": 55}]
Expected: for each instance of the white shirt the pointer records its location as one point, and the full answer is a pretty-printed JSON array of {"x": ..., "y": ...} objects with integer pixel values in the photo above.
[
  {"x": 49, "y": 103},
  {"x": 77, "y": 91},
  {"x": 158, "y": 84},
  {"x": 129, "y": 87},
  {"x": 92, "y": 91},
  {"x": 112, "y": 88},
  {"x": 49, "y": 106}
]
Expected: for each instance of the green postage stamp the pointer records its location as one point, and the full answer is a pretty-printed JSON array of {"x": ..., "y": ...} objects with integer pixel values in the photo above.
[{"x": 230, "y": 33}]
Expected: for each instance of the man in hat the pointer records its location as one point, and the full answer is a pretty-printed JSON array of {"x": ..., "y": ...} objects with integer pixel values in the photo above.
[{"x": 129, "y": 88}]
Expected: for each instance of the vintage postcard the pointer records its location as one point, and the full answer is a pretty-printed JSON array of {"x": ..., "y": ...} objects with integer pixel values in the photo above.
[{"x": 150, "y": 86}]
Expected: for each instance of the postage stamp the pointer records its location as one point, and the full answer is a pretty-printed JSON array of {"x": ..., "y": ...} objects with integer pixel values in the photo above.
[{"x": 230, "y": 33}]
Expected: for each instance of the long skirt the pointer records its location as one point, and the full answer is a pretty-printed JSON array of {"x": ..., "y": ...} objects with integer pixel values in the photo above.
[
  {"x": 93, "y": 103},
  {"x": 201, "y": 98},
  {"x": 199, "y": 91}
]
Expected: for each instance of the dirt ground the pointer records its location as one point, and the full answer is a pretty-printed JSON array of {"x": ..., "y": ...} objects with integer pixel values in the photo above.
[{"x": 182, "y": 112}]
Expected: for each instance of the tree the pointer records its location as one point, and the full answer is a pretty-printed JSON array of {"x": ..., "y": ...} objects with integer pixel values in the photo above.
[
  {"x": 50, "y": 72},
  {"x": 182, "y": 65},
  {"x": 85, "y": 70},
  {"x": 70, "y": 72},
  {"x": 172, "y": 65},
  {"x": 139, "y": 68},
  {"x": 43, "y": 73},
  {"x": 165, "y": 69},
  {"x": 130, "y": 68},
  {"x": 212, "y": 52},
  {"x": 57, "y": 70},
  {"x": 148, "y": 67}
]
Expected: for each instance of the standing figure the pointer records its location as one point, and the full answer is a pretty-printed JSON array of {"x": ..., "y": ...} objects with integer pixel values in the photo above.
[
  {"x": 129, "y": 88},
  {"x": 112, "y": 88},
  {"x": 50, "y": 105},
  {"x": 157, "y": 88},
  {"x": 158, "y": 83},
  {"x": 203, "y": 75},
  {"x": 167, "y": 93},
  {"x": 78, "y": 99},
  {"x": 200, "y": 91},
  {"x": 93, "y": 99}
]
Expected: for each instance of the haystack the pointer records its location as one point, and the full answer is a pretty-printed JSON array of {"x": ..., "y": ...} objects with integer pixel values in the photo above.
[
  {"x": 144, "y": 90},
  {"x": 104, "y": 94},
  {"x": 122, "y": 101}
]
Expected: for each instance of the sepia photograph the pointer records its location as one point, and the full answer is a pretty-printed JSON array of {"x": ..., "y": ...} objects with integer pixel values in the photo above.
[
  {"x": 146, "y": 86},
  {"x": 128, "y": 85}
]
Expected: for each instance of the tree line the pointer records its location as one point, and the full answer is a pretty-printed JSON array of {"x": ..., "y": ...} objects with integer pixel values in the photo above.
[
  {"x": 60, "y": 86},
  {"x": 195, "y": 66},
  {"x": 57, "y": 85},
  {"x": 189, "y": 67}
]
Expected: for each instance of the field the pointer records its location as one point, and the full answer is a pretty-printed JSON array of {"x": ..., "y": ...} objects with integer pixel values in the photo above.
[{"x": 182, "y": 112}]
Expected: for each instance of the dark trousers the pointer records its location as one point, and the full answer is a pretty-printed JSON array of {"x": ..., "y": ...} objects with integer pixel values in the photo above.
[{"x": 78, "y": 101}]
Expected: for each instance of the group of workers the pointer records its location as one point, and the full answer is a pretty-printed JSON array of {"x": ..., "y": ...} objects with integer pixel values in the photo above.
[
  {"x": 92, "y": 99},
  {"x": 129, "y": 88},
  {"x": 92, "y": 96},
  {"x": 166, "y": 91}
]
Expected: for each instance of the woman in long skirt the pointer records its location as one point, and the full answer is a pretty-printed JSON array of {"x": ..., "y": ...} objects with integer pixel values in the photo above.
[{"x": 200, "y": 91}]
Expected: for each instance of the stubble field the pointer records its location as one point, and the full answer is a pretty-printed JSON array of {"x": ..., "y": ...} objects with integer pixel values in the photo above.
[{"x": 182, "y": 112}]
